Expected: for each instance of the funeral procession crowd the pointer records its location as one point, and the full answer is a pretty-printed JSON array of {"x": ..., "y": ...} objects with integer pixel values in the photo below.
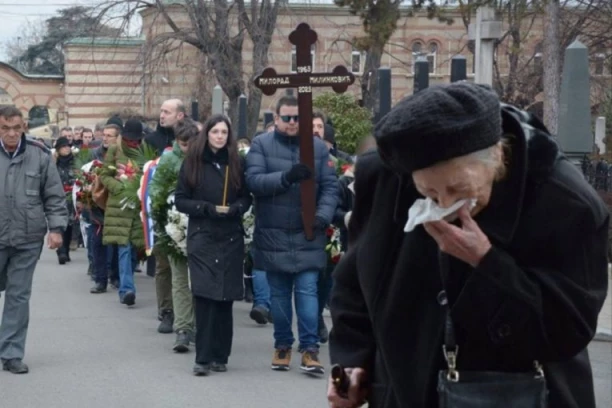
[{"x": 445, "y": 249}]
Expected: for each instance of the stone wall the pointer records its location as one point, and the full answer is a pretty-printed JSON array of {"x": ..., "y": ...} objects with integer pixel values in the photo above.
[
  {"x": 27, "y": 91},
  {"x": 101, "y": 75}
]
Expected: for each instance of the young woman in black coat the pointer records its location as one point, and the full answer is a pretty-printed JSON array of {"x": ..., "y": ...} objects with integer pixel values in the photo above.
[{"x": 212, "y": 191}]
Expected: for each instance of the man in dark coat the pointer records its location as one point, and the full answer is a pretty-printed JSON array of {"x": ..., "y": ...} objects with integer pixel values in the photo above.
[
  {"x": 280, "y": 247},
  {"x": 527, "y": 267},
  {"x": 171, "y": 112}
]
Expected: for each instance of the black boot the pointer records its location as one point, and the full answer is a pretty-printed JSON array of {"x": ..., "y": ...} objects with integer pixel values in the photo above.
[
  {"x": 62, "y": 257},
  {"x": 248, "y": 290},
  {"x": 323, "y": 332}
]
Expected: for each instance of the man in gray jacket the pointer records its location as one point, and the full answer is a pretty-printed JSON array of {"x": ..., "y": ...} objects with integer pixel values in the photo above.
[{"x": 32, "y": 201}]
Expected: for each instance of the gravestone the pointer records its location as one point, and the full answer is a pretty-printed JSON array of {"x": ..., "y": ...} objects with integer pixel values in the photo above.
[
  {"x": 484, "y": 32},
  {"x": 194, "y": 110},
  {"x": 600, "y": 134},
  {"x": 268, "y": 118},
  {"x": 217, "y": 100},
  {"x": 384, "y": 92},
  {"x": 303, "y": 37},
  {"x": 421, "y": 74},
  {"x": 458, "y": 68},
  {"x": 242, "y": 117},
  {"x": 575, "y": 134}
]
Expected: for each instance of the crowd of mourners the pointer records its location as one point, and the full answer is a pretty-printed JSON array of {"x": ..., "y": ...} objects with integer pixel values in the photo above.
[
  {"x": 219, "y": 182},
  {"x": 459, "y": 279}
]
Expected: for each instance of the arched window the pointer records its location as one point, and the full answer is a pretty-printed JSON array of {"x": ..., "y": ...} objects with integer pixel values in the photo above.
[
  {"x": 432, "y": 53},
  {"x": 417, "y": 51},
  {"x": 471, "y": 46},
  {"x": 294, "y": 58},
  {"x": 38, "y": 116},
  {"x": 357, "y": 61},
  {"x": 599, "y": 59},
  {"x": 538, "y": 65}
]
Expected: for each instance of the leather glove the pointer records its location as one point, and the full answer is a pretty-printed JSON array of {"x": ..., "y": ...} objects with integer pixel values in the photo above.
[
  {"x": 299, "y": 172},
  {"x": 210, "y": 210},
  {"x": 234, "y": 210}
]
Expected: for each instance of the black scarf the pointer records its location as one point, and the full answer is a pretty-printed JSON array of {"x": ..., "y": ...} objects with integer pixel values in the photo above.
[
  {"x": 65, "y": 161},
  {"x": 219, "y": 158}
]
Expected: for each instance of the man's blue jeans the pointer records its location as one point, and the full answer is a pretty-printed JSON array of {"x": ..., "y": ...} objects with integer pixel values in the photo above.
[
  {"x": 282, "y": 287},
  {"x": 261, "y": 289},
  {"x": 126, "y": 270},
  {"x": 90, "y": 230}
]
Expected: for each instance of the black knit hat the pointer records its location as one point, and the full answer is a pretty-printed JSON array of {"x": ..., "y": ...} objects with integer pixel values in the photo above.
[
  {"x": 115, "y": 120},
  {"x": 132, "y": 130},
  {"x": 438, "y": 124},
  {"x": 62, "y": 142},
  {"x": 329, "y": 134}
]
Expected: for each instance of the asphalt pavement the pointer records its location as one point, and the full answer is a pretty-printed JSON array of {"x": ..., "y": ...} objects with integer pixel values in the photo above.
[{"x": 90, "y": 351}]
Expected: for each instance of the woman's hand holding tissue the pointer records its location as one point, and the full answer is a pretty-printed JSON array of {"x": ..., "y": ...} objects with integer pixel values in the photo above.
[{"x": 467, "y": 243}]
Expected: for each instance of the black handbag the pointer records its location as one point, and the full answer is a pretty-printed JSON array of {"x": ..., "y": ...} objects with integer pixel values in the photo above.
[{"x": 483, "y": 389}]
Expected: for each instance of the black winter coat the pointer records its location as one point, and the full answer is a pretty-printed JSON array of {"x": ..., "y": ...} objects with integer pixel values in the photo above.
[
  {"x": 535, "y": 296},
  {"x": 215, "y": 246},
  {"x": 160, "y": 139},
  {"x": 279, "y": 243},
  {"x": 65, "y": 167}
]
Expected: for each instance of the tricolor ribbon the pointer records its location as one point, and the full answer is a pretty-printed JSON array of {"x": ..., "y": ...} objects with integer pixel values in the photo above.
[{"x": 145, "y": 205}]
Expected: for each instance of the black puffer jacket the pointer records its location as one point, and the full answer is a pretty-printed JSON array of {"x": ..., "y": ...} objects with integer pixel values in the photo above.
[{"x": 279, "y": 243}]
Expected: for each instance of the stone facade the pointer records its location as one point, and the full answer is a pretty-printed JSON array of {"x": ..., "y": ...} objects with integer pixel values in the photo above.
[
  {"x": 29, "y": 91},
  {"x": 102, "y": 75}
]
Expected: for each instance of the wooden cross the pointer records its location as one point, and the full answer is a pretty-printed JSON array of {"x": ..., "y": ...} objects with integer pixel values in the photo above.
[{"x": 303, "y": 37}]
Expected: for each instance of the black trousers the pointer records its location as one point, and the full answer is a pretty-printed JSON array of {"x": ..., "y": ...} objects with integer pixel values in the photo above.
[
  {"x": 67, "y": 238},
  {"x": 214, "y": 330}
]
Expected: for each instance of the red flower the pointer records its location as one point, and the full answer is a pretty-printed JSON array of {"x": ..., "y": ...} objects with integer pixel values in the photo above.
[
  {"x": 79, "y": 195},
  {"x": 67, "y": 188},
  {"x": 336, "y": 258},
  {"x": 96, "y": 163},
  {"x": 78, "y": 183},
  {"x": 345, "y": 167},
  {"x": 330, "y": 232}
]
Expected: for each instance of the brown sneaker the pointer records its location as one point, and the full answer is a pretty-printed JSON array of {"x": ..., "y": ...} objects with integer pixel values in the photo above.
[
  {"x": 311, "y": 364},
  {"x": 281, "y": 360}
]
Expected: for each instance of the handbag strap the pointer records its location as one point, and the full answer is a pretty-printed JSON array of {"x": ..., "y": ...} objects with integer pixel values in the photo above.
[{"x": 450, "y": 347}]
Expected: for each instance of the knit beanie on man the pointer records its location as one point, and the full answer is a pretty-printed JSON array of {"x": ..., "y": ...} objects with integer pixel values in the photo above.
[{"x": 438, "y": 124}]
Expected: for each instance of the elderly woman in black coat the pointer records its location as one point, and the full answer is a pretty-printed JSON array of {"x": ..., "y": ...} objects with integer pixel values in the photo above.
[
  {"x": 212, "y": 191},
  {"x": 521, "y": 268}
]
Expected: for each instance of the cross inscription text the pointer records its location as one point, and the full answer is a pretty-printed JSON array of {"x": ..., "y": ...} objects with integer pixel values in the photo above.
[{"x": 303, "y": 37}]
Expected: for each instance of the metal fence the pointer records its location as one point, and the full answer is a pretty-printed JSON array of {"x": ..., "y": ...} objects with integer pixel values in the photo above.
[{"x": 599, "y": 174}]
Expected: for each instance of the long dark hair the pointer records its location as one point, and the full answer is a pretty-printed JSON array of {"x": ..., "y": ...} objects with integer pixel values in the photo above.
[{"x": 194, "y": 161}]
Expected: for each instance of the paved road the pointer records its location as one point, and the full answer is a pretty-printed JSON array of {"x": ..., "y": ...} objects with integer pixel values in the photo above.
[{"x": 89, "y": 351}]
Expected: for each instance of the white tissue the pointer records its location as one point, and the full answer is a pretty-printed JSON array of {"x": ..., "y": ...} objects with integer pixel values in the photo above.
[{"x": 427, "y": 210}]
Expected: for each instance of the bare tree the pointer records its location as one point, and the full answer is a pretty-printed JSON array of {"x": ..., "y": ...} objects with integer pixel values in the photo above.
[
  {"x": 30, "y": 33},
  {"x": 217, "y": 30},
  {"x": 552, "y": 65}
]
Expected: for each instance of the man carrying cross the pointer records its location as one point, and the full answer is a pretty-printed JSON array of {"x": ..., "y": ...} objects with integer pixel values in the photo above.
[{"x": 280, "y": 245}]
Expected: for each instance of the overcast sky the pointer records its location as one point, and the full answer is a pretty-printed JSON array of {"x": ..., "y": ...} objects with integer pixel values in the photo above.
[{"x": 15, "y": 13}]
